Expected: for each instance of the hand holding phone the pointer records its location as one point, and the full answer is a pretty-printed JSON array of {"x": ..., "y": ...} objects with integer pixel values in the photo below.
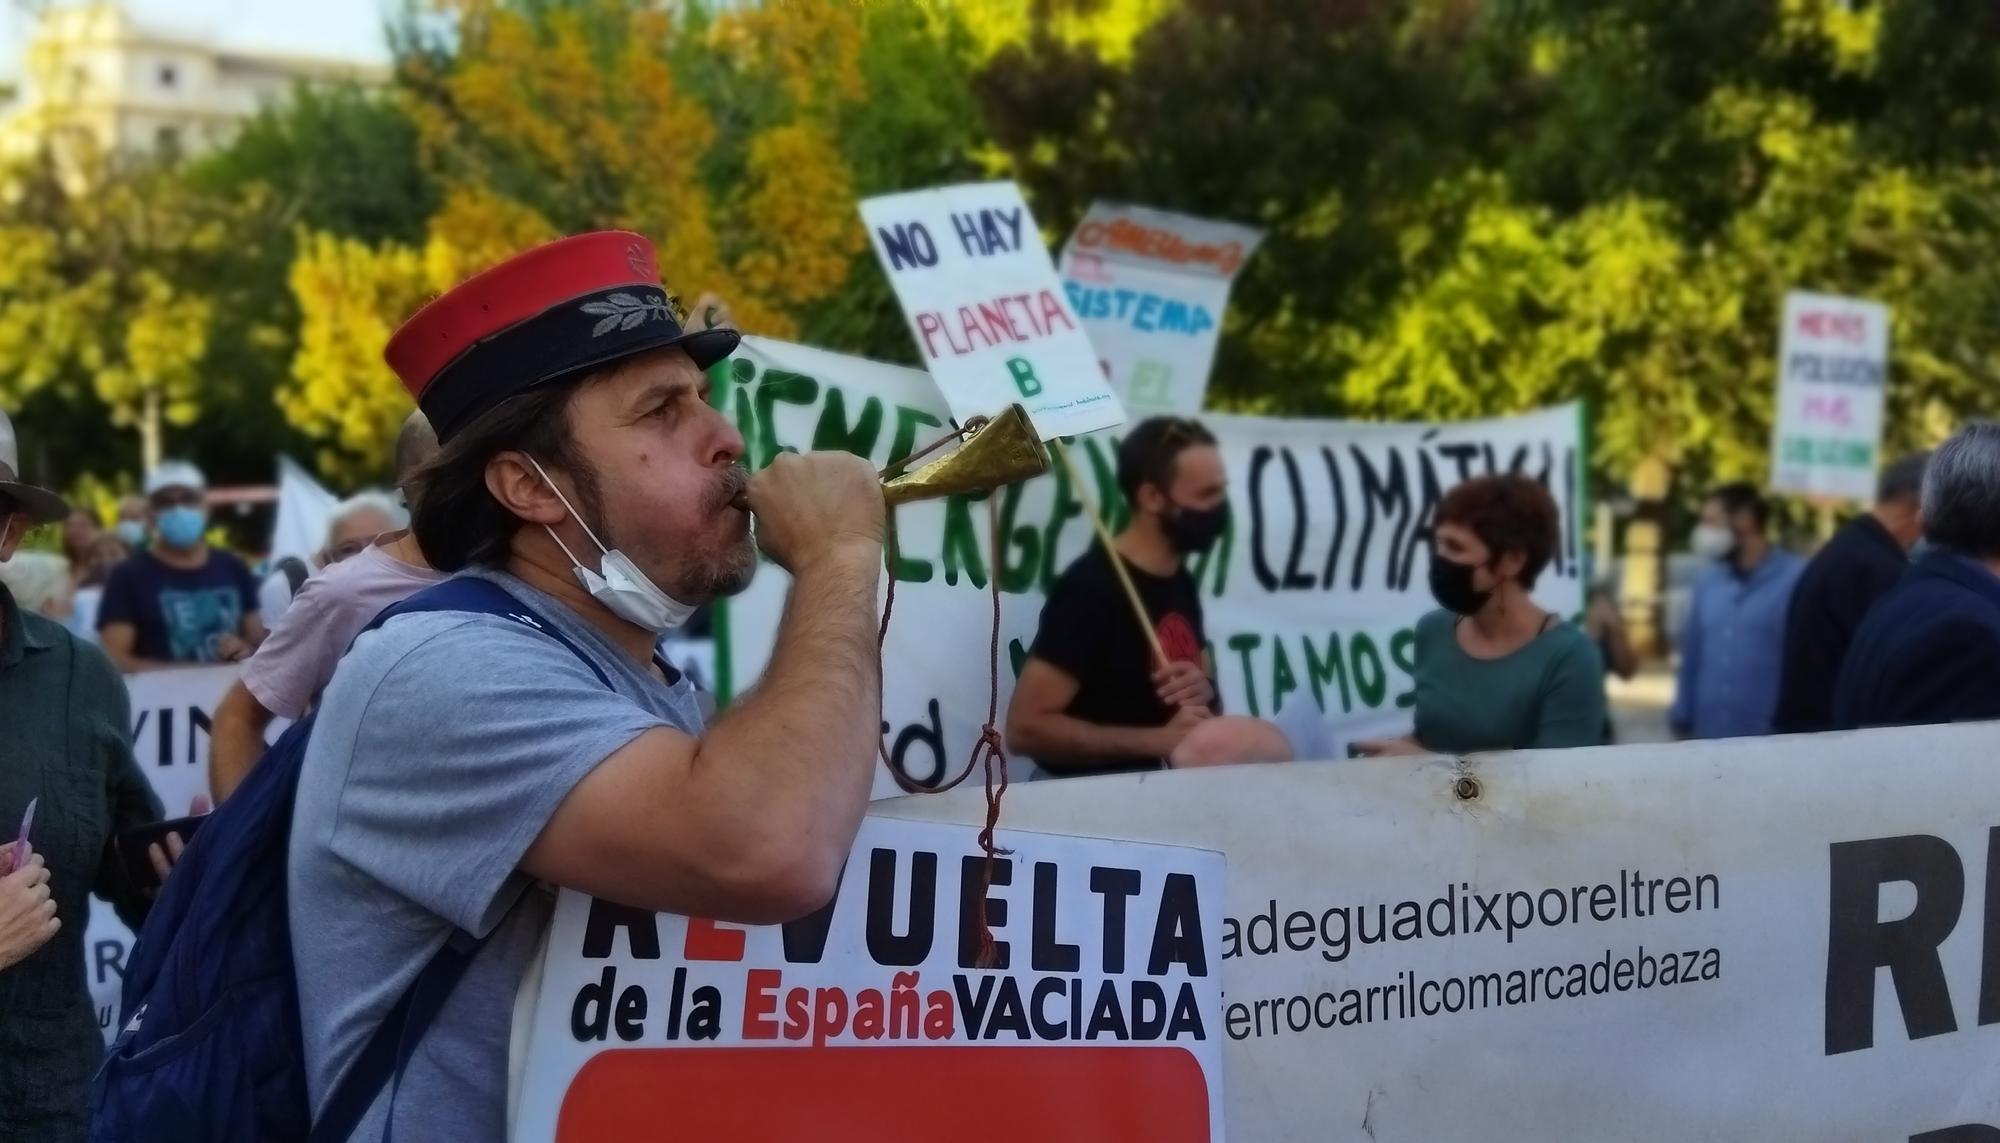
[{"x": 148, "y": 852}]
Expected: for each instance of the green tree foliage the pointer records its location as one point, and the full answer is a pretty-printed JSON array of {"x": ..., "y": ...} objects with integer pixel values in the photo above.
[
  {"x": 339, "y": 160},
  {"x": 1472, "y": 206},
  {"x": 143, "y": 278},
  {"x": 121, "y": 294},
  {"x": 914, "y": 123},
  {"x": 1479, "y": 207}
]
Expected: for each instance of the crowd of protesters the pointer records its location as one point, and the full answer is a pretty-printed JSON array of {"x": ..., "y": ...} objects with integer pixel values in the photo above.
[{"x": 486, "y": 715}]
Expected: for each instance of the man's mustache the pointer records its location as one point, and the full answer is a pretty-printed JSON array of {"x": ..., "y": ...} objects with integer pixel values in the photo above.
[{"x": 729, "y": 489}]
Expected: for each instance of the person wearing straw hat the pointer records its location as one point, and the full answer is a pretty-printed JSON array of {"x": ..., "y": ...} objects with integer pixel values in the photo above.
[
  {"x": 68, "y": 773},
  {"x": 460, "y": 762}
]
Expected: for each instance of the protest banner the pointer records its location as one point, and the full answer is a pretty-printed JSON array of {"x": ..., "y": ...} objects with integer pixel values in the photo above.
[
  {"x": 986, "y": 308},
  {"x": 1634, "y": 943},
  {"x": 874, "y": 1018},
  {"x": 1151, "y": 287},
  {"x": 1833, "y": 364},
  {"x": 1310, "y": 597},
  {"x": 170, "y": 720}
]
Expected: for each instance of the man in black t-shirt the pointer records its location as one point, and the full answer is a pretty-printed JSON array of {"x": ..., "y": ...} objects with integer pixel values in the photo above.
[{"x": 1092, "y": 698}]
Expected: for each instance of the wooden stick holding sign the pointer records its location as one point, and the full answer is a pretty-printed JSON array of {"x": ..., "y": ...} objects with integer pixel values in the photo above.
[{"x": 1110, "y": 550}]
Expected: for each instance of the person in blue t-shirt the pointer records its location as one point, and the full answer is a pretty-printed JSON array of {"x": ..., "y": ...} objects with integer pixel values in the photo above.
[
  {"x": 179, "y": 601},
  {"x": 1732, "y": 647}
]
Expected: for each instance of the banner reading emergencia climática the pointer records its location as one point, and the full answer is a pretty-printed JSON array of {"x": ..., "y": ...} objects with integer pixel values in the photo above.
[{"x": 1310, "y": 597}]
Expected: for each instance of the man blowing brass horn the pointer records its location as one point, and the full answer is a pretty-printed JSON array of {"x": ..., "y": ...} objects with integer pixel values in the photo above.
[{"x": 463, "y": 763}]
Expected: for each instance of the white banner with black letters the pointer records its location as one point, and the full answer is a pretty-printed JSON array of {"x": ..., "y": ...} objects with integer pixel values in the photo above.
[
  {"x": 886, "y": 1015},
  {"x": 1791, "y": 938}
]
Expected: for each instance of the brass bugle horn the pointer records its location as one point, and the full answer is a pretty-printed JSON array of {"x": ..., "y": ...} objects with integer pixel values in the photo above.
[
  {"x": 1002, "y": 451},
  {"x": 999, "y": 451}
]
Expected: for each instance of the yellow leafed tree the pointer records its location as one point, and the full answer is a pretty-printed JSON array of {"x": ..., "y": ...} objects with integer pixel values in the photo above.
[
  {"x": 1108, "y": 26},
  {"x": 802, "y": 249},
  {"x": 476, "y": 229},
  {"x": 814, "y": 49},
  {"x": 342, "y": 393},
  {"x": 46, "y": 315},
  {"x": 544, "y": 121},
  {"x": 166, "y": 336},
  {"x": 579, "y": 116}
]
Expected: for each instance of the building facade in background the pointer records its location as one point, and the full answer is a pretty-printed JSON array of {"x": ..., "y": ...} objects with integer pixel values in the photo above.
[{"x": 95, "y": 83}]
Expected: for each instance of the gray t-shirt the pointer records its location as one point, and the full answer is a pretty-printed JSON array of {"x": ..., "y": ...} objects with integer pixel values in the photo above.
[{"x": 443, "y": 746}]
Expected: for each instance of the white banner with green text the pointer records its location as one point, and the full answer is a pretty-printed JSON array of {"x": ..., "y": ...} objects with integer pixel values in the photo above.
[{"x": 1310, "y": 597}]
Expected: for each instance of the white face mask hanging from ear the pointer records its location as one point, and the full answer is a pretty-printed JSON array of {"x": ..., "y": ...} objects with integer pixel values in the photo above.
[{"x": 623, "y": 589}]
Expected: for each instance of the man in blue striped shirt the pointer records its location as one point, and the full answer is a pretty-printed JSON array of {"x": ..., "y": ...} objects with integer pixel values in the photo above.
[{"x": 1733, "y": 646}]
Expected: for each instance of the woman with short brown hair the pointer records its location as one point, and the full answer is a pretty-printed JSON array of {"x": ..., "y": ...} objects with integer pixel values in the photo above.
[{"x": 1494, "y": 671}]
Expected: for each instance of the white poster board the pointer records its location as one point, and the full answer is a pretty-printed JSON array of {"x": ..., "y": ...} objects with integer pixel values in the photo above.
[
  {"x": 1151, "y": 287},
  {"x": 305, "y": 509},
  {"x": 1833, "y": 366},
  {"x": 986, "y": 308},
  {"x": 171, "y": 712},
  {"x": 1311, "y": 597},
  {"x": 877, "y": 1017},
  {"x": 1772, "y": 939}
]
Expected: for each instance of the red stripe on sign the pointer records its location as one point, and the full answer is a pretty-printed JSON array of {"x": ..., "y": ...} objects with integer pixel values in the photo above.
[{"x": 963, "y": 1093}]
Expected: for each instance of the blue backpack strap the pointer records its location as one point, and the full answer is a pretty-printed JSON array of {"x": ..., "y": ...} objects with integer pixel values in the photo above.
[
  {"x": 395, "y": 1039},
  {"x": 482, "y": 597}
]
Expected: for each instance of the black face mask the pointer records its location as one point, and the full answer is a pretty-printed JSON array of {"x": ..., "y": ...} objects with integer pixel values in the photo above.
[
  {"x": 1192, "y": 530},
  {"x": 1451, "y": 584}
]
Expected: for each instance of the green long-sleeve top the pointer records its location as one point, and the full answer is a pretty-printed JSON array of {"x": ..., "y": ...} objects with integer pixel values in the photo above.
[
  {"x": 65, "y": 738},
  {"x": 1549, "y": 694}
]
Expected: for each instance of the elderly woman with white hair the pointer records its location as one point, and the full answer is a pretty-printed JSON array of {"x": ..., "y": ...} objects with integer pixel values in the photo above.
[{"x": 354, "y": 524}]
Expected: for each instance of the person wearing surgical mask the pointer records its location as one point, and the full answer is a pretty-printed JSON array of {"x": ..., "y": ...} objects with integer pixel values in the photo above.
[
  {"x": 1093, "y": 698},
  {"x": 1733, "y": 643},
  {"x": 131, "y": 524},
  {"x": 179, "y": 601},
  {"x": 1494, "y": 669},
  {"x": 460, "y": 763}
]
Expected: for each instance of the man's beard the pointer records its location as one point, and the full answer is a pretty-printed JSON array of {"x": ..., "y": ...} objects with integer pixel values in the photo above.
[
  {"x": 734, "y": 567},
  {"x": 699, "y": 578},
  {"x": 728, "y": 575}
]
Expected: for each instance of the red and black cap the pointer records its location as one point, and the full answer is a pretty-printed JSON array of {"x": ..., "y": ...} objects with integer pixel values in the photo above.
[{"x": 547, "y": 315}]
